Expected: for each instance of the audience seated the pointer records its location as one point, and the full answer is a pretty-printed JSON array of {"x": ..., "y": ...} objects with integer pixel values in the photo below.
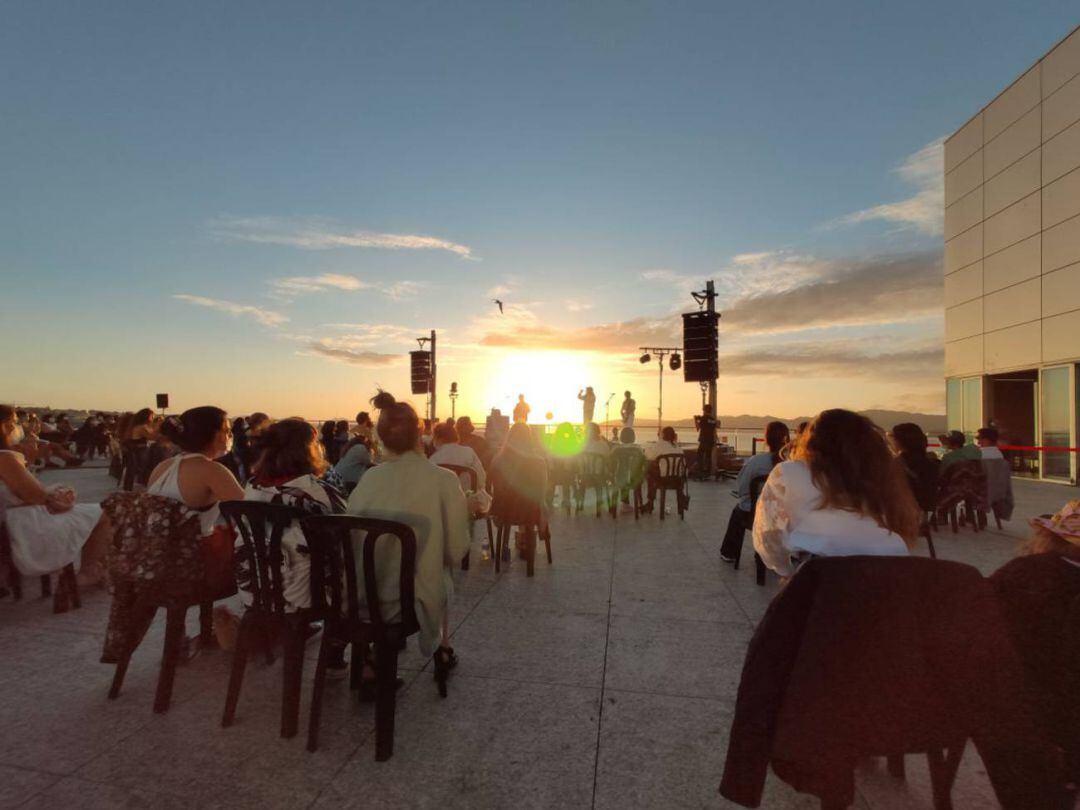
[
  {"x": 469, "y": 438},
  {"x": 595, "y": 441},
  {"x": 448, "y": 450},
  {"x": 195, "y": 479},
  {"x": 921, "y": 466},
  {"x": 999, "y": 492},
  {"x": 1039, "y": 593},
  {"x": 355, "y": 460},
  {"x": 287, "y": 472},
  {"x": 777, "y": 436},
  {"x": 957, "y": 449},
  {"x": 406, "y": 487},
  {"x": 519, "y": 480},
  {"x": 842, "y": 493},
  {"x": 46, "y": 528}
]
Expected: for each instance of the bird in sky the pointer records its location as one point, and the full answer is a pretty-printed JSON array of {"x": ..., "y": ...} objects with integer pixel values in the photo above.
[{"x": 500, "y": 303}]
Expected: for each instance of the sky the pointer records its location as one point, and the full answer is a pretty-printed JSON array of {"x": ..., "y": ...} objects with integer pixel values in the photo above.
[{"x": 261, "y": 205}]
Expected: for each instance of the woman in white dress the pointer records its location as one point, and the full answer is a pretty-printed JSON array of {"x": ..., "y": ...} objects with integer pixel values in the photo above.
[
  {"x": 48, "y": 530},
  {"x": 842, "y": 494}
]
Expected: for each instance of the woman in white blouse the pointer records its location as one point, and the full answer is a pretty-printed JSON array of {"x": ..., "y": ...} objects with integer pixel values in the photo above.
[{"x": 842, "y": 494}]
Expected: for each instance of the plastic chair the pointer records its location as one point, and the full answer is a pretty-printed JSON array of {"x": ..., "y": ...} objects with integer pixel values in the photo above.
[
  {"x": 671, "y": 475},
  {"x": 336, "y": 598},
  {"x": 473, "y": 486},
  {"x": 259, "y": 527},
  {"x": 757, "y": 483},
  {"x": 628, "y": 465},
  {"x": 593, "y": 473}
]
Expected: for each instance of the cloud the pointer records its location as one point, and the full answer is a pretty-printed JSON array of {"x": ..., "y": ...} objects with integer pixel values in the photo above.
[
  {"x": 264, "y": 316},
  {"x": 286, "y": 289},
  {"x": 355, "y": 357},
  {"x": 313, "y": 234},
  {"x": 843, "y": 359},
  {"x": 295, "y": 285},
  {"x": 623, "y": 336},
  {"x": 573, "y": 305},
  {"x": 875, "y": 291},
  {"x": 924, "y": 211}
]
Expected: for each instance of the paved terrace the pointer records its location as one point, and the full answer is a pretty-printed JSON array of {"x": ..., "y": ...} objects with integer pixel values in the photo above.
[{"x": 606, "y": 681}]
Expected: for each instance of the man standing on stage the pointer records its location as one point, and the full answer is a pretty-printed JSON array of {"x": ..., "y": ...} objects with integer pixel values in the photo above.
[
  {"x": 706, "y": 442},
  {"x": 628, "y": 408},
  {"x": 521, "y": 410},
  {"x": 589, "y": 408}
]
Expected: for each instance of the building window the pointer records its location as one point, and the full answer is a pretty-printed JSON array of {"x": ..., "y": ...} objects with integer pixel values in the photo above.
[
  {"x": 1056, "y": 421},
  {"x": 954, "y": 405},
  {"x": 972, "y": 406}
]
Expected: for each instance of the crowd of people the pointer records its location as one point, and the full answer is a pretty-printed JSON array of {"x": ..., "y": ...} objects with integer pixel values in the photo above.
[{"x": 839, "y": 486}]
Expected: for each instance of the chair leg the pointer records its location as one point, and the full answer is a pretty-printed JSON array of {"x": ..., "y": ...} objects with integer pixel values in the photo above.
[
  {"x": 943, "y": 767},
  {"x": 954, "y": 521},
  {"x": 385, "y": 699},
  {"x": 997, "y": 520},
  {"x": 759, "y": 565},
  {"x": 73, "y": 586},
  {"x": 498, "y": 549},
  {"x": 530, "y": 551},
  {"x": 46, "y": 585},
  {"x": 895, "y": 764},
  {"x": 930, "y": 543},
  {"x": 663, "y": 502},
  {"x": 118, "y": 677},
  {"x": 547, "y": 542},
  {"x": 174, "y": 639},
  {"x": 292, "y": 673},
  {"x": 491, "y": 534},
  {"x": 206, "y": 625},
  {"x": 245, "y": 637},
  {"x": 315, "y": 713},
  {"x": 465, "y": 562}
]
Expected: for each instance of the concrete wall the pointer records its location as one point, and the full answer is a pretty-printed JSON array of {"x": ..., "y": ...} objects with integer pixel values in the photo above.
[{"x": 1012, "y": 224}]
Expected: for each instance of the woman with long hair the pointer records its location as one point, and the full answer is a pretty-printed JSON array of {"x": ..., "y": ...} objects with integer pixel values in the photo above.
[
  {"x": 843, "y": 493},
  {"x": 406, "y": 487},
  {"x": 519, "y": 481},
  {"x": 921, "y": 466},
  {"x": 47, "y": 529},
  {"x": 288, "y": 471},
  {"x": 194, "y": 478}
]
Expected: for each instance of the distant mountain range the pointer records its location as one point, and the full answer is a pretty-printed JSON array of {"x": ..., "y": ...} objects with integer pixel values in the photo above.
[{"x": 932, "y": 423}]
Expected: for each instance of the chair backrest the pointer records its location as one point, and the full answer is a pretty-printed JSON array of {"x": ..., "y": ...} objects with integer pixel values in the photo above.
[
  {"x": 628, "y": 465},
  {"x": 757, "y": 483},
  {"x": 259, "y": 526},
  {"x": 333, "y": 564},
  {"x": 473, "y": 483},
  {"x": 671, "y": 466},
  {"x": 593, "y": 465}
]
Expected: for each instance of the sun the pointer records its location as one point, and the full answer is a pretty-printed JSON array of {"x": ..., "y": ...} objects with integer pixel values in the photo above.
[{"x": 550, "y": 381}]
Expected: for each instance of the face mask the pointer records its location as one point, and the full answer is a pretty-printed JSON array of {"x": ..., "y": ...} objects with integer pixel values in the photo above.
[{"x": 18, "y": 434}]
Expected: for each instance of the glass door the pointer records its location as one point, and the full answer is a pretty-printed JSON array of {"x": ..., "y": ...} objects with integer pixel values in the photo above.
[{"x": 1058, "y": 428}]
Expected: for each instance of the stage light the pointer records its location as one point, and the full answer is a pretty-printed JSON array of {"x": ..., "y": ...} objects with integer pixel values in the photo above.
[
  {"x": 675, "y": 362},
  {"x": 645, "y": 358}
]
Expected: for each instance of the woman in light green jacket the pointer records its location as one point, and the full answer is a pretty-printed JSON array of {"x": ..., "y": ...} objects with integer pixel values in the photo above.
[{"x": 409, "y": 489}]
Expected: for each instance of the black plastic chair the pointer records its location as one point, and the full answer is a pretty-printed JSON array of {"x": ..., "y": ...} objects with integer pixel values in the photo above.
[
  {"x": 628, "y": 466},
  {"x": 473, "y": 486},
  {"x": 336, "y": 598},
  {"x": 593, "y": 473},
  {"x": 757, "y": 483},
  {"x": 259, "y": 527},
  {"x": 562, "y": 473},
  {"x": 672, "y": 476}
]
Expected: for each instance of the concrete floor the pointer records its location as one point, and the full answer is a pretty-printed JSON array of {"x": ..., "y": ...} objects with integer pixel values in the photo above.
[{"x": 608, "y": 680}]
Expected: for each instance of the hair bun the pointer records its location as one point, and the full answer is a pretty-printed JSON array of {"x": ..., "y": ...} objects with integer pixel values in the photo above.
[{"x": 383, "y": 400}]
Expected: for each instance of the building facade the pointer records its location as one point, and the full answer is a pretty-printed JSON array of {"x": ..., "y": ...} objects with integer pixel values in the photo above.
[{"x": 1012, "y": 266}]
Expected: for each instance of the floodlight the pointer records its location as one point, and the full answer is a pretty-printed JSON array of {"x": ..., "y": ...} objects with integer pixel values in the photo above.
[{"x": 645, "y": 358}]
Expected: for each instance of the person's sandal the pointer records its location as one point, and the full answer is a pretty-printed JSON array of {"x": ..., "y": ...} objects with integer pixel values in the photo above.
[{"x": 444, "y": 660}]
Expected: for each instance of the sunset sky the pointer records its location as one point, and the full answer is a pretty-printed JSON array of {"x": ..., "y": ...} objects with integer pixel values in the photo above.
[{"x": 261, "y": 205}]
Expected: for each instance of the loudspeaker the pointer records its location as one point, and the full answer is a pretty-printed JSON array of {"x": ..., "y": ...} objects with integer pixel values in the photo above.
[
  {"x": 163, "y": 401},
  {"x": 420, "y": 371},
  {"x": 701, "y": 338}
]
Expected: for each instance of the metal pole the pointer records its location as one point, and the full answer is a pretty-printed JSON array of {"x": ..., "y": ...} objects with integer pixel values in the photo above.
[
  {"x": 433, "y": 416},
  {"x": 660, "y": 408},
  {"x": 710, "y": 294}
]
